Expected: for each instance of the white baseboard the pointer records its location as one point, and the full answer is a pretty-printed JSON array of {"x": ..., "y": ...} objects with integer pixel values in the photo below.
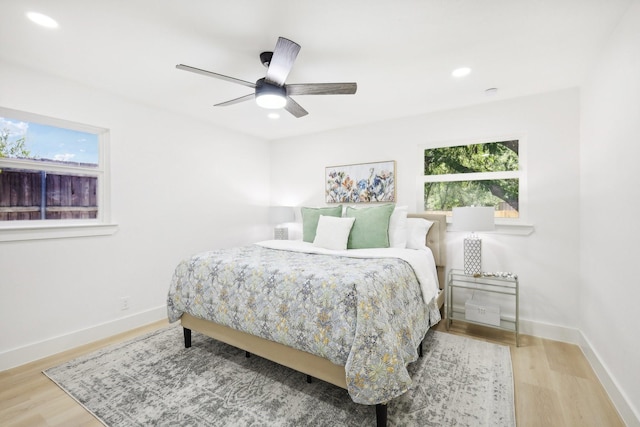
[
  {"x": 550, "y": 332},
  {"x": 31, "y": 352},
  {"x": 621, "y": 402},
  {"x": 541, "y": 330}
]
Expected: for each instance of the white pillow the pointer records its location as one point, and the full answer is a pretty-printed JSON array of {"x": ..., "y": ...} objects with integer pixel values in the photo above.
[
  {"x": 398, "y": 227},
  {"x": 333, "y": 232},
  {"x": 417, "y": 229}
]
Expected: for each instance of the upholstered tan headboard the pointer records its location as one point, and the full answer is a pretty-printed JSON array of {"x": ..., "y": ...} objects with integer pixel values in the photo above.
[{"x": 436, "y": 241}]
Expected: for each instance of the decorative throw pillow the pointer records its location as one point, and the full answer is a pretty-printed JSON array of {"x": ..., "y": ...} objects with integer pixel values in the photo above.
[
  {"x": 310, "y": 217},
  {"x": 333, "y": 232},
  {"x": 371, "y": 228},
  {"x": 398, "y": 227},
  {"x": 417, "y": 229}
]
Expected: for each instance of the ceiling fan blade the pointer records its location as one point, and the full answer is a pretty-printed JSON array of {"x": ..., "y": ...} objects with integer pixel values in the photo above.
[
  {"x": 215, "y": 75},
  {"x": 322, "y": 89},
  {"x": 237, "y": 100},
  {"x": 294, "y": 108},
  {"x": 284, "y": 55}
]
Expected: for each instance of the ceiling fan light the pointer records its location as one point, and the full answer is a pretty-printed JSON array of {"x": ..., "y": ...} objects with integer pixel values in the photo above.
[
  {"x": 270, "y": 96},
  {"x": 271, "y": 101}
]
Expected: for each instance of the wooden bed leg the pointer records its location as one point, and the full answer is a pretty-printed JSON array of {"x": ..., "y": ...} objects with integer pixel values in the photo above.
[
  {"x": 247, "y": 354},
  {"x": 381, "y": 415},
  {"x": 187, "y": 337},
  {"x": 309, "y": 379}
]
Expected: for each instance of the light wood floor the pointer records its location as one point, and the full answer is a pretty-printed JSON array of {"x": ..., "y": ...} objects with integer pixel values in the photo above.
[{"x": 554, "y": 385}]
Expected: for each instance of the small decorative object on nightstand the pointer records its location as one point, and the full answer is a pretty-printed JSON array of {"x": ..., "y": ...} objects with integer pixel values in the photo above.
[
  {"x": 279, "y": 216},
  {"x": 281, "y": 233},
  {"x": 478, "y": 312},
  {"x": 473, "y": 218}
]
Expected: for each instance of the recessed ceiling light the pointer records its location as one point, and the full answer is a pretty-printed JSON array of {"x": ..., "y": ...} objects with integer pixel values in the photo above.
[
  {"x": 461, "y": 72},
  {"x": 43, "y": 20},
  {"x": 492, "y": 91},
  {"x": 273, "y": 116}
]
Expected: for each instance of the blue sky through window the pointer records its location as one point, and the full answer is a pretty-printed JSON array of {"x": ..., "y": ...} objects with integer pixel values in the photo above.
[{"x": 53, "y": 143}]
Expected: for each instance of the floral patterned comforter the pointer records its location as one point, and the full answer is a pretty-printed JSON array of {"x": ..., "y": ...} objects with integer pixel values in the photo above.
[{"x": 367, "y": 314}]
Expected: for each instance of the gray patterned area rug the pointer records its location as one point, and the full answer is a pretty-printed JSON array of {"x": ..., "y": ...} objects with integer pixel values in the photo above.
[{"x": 154, "y": 381}]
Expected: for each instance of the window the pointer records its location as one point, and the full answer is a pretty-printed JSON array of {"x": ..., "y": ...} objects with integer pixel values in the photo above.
[
  {"x": 52, "y": 173},
  {"x": 479, "y": 174}
]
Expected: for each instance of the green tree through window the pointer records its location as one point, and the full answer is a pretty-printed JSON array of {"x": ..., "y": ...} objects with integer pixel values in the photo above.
[
  {"x": 484, "y": 174},
  {"x": 10, "y": 148}
]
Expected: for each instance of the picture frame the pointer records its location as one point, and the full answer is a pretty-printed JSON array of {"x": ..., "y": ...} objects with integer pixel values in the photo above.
[{"x": 361, "y": 183}]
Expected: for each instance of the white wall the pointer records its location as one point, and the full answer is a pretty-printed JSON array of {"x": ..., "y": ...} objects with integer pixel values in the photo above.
[
  {"x": 609, "y": 195},
  {"x": 178, "y": 186},
  {"x": 546, "y": 261}
]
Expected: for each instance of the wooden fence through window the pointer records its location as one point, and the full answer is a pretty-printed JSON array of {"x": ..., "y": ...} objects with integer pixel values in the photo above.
[{"x": 32, "y": 195}]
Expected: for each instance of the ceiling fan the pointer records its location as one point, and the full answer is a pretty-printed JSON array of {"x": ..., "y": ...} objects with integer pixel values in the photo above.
[{"x": 271, "y": 91}]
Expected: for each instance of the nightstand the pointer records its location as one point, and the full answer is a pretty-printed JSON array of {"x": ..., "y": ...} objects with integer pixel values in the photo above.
[{"x": 483, "y": 314}]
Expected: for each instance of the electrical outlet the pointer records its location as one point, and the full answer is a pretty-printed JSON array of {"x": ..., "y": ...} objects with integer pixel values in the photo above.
[{"x": 124, "y": 303}]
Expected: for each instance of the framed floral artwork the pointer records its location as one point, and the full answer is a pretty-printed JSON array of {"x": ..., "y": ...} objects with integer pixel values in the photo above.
[{"x": 361, "y": 183}]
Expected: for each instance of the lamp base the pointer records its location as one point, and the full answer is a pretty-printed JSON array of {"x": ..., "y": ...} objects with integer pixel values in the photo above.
[
  {"x": 281, "y": 233},
  {"x": 472, "y": 256}
]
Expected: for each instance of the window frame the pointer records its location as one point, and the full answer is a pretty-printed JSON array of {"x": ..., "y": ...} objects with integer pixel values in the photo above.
[
  {"x": 16, "y": 230},
  {"x": 507, "y": 225}
]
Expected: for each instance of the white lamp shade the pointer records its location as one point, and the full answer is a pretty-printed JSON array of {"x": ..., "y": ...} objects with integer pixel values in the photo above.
[
  {"x": 473, "y": 218},
  {"x": 281, "y": 214}
]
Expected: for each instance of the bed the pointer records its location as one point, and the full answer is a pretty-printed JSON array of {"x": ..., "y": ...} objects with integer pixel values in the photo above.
[{"x": 359, "y": 359}]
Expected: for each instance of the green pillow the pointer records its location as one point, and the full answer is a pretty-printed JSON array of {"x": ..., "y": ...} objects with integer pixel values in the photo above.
[
  {"x": 310, "y": 217},
  {"x": 371, "y": 228}
]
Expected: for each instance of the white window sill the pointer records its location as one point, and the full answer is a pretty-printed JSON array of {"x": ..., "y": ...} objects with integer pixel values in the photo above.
[
  {"x": 514, "y": 229},
  {"x": 55, "y": 231}
]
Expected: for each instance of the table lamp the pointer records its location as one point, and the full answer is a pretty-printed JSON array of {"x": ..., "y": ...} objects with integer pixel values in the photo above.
[
  {"x": 279, "y": 215},
  {"x": 473, "y": 219}
]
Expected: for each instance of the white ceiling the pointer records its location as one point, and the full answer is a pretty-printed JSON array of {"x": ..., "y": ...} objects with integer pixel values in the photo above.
[{"x": 400, "y": 52}]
